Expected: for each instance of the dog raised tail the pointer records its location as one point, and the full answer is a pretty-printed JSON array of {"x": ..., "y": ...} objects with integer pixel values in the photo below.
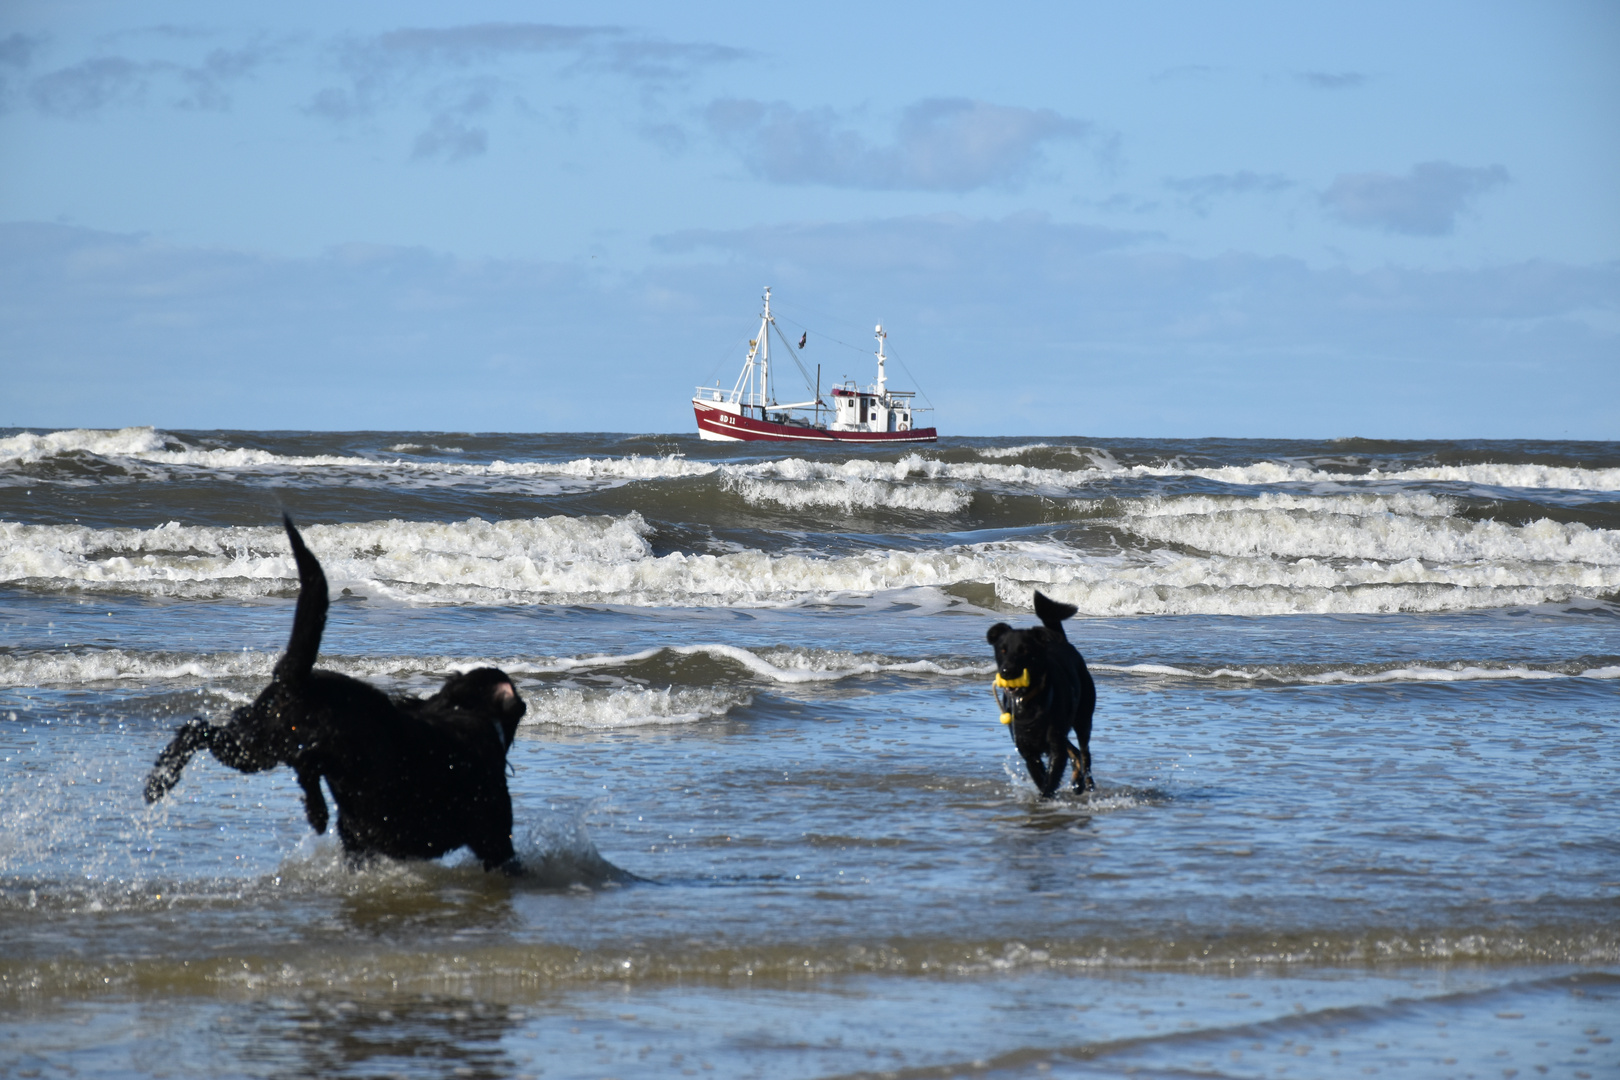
[
  {"x": 1051, "y": 613},
  {"x": 309, "y": 618}
]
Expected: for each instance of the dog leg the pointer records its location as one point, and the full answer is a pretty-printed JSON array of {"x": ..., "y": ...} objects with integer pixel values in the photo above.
[
  {"x": 1060, "y": 760},
  {"x": 1037, "y": 773},
  {"x": 1081, "y": 756},
  {"x": 314, "y": 802},
  {"x": 1046, "y": 777},
  {"x": 192, "y": 737},
  {"x": 493, "y": 842},
  {"x": 233, "y": 744}
]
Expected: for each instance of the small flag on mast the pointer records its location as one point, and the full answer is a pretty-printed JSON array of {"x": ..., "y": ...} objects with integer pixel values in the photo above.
[{"x": 803, "y": 337}]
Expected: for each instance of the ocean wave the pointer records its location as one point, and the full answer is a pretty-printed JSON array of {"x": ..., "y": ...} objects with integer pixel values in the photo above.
[
  {"x": 417, "y": 448},
  {"x": 624, "y": 707},
  {"x": 1247, "y": 562},
  {"x": 996, "y": 453},
  {"x": 27, "y": 448},
  {"x": 148, "y": 446},
  {"x": 849, "y": 495},
  {"x": 1325, "y": 675},
  {"x": 1265, "y": 473},
  {"x": 1397, "y": 529},
  {"x": 78, "y": 668},
  {"x": 1554, "y": 477},
  {"x": 1102, "y": 467},
  {"x": 151, "y": 447},
  {"x": 777, "y": 665},
  {"x": 374, "y": 965},
  {"x": 520, "y": 553},
  {"x": 1414, "y": 504},
  {"x": 915, "y": 466}
]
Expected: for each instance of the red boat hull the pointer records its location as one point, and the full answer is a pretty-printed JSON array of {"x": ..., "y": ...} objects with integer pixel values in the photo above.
[{"x": 717, "y": 424}]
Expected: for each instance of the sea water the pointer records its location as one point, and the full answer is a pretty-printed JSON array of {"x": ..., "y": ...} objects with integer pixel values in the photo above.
[{"x": 1355, "y": 752}]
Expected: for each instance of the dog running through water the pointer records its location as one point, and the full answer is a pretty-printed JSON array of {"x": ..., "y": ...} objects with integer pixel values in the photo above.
[
  {"x": 413, "y": 778},
  {"x": 1046, "y": 692}
]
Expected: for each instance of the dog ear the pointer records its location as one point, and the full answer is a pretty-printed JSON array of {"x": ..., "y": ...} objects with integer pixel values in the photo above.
[
  {"x": 993, "y": 635},
  {"x": 1050, "y": 612}
]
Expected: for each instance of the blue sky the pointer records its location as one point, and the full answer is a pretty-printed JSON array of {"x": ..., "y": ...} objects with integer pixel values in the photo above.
[{"x": 1171, "y": 219}]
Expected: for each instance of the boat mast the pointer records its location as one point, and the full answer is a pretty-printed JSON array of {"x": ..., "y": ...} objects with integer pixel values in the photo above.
[
  {"x": 883, "y": 378},
  {"x": 765, "y": 354}
]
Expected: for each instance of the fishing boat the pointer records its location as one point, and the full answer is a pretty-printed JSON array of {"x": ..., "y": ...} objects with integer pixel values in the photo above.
[{"x": 749, "y": 411}]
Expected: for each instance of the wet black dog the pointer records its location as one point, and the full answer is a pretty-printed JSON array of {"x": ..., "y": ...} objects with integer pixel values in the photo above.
[
  {"x": 1046, "y": 692},
  {"x": 414, "y": 778}
]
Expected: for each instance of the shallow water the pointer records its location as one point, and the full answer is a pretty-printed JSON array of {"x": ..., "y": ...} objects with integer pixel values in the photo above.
[{"x": 1354, "y": 748}]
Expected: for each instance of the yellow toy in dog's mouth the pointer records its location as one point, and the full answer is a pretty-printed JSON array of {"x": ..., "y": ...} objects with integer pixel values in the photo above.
[{"x": 1008, "y": 684}]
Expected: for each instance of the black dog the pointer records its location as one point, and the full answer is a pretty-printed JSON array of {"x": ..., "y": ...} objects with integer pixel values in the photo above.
[
  {"x": 1048, "y": 693},
  {"x": 414, "y": 778}
]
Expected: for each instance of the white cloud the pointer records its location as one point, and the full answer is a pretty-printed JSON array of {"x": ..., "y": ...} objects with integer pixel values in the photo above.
[
  {"x": 101, "y": 82},
  {"x": 422, "y": 67},
  {"x": 17, "y": 50},
  {"x": 1200, "y": 191},
  {"x": 1332, "y": 80},
  {"x": 1424, "y": 202},
  {"x": 91, "y": 85},
  {"x": 939, "y": 144},
  {"x": 451, "y": 138}
]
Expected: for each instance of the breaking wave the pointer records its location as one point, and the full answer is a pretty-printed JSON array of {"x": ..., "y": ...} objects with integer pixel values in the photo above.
[
  {"x": 1195, "y": 555},
  {"x": 622, "y": 707},
  {"x": 620, "y": 690},
  {"x": 146, "y": 445}
]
